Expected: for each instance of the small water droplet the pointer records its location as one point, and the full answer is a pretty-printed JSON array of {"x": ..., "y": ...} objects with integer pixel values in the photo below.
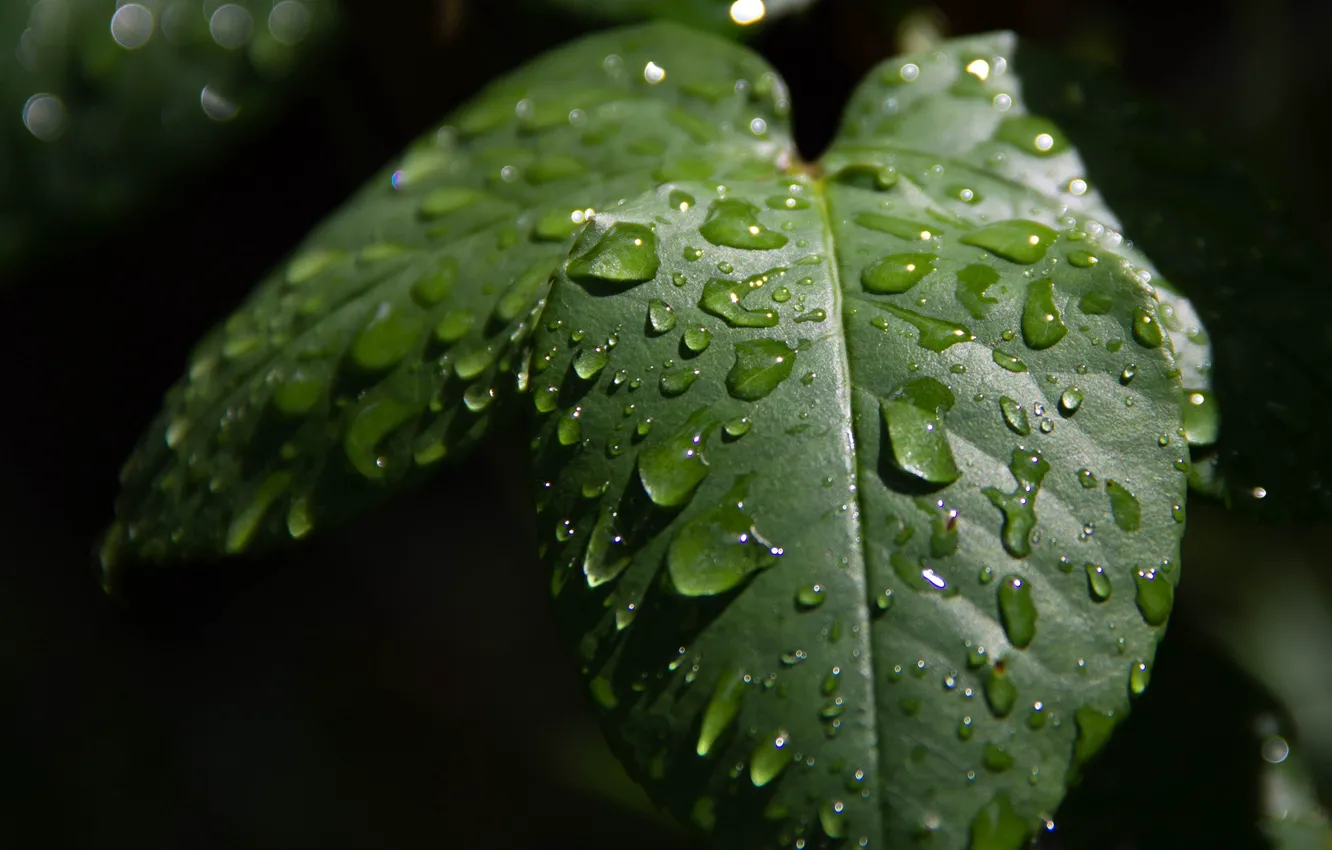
[
  {"x": 1098, "y": 582},
  {"x": 1000, "y": 692},
  {"x": 1139, "y": 677},
  {"x": 1070, "y": 401},
  {"x": 1124, "y": 505},
  {"x": 1008, "y": 361},
  {"x": 770, "y": 758},
  {"x": 811, "y": 596},
  {"x": 1014, "y": 416},
  {"x": 661, "y": 318}
]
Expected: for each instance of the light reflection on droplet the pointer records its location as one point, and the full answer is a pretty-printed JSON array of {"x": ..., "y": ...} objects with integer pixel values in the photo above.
[
  {"x": 1002, "y": 102},
  {"x": 653, "y": 73},
  {"x": 746, "y": 12},
  {"x": 44, "y": 116},
  {"x": 289, "y": 22},
  {"x": 231, "y": 26},
  {"x": 910, "y": 71},
  {"x": 132, "y": 26},
  {"x": 216, "y": 106},
  {"x": 1044, "y": 141},
  {"x": 979, "y": 68},
  {"x": 758, "y": 126},
  {"x": 1077, "y": 186},
  {"x": 1275, "y": 750}
]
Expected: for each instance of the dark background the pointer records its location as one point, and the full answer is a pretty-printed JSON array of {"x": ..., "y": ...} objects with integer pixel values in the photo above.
[{"x": 397, "y": 683}]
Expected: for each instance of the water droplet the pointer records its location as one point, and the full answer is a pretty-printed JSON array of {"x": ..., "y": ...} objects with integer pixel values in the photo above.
[
  {"x": 721, "y": 710},
  {"x": 1094, "y": 728},
  {"x": 1014, "y": 416},
  {"x": 811, "y": 596},
  {"x": 737, "y": 428},
  {"x": 935, "y": 334},
  {"x": 678, "y": 381},
  {"x": 299, "y": 520},
  {"x": 966, "y": 729},
  {"x": 1036, "y": 720},
  {"x": 1017, "y": 611},
  {"x": 911, "y": 231},
  {"x": 569, "y": 430},
  {"x": 1070, "y": 401},
  {"x": 436, "y": 285},
  {"x": 1202, "y": 418},
  {"x": 375, "y": 417},
  {"x": 607, "y": 552},
  {"x": 1019, "y": 507},
  {"x": 816, "y": 315},
  {"x": 448, "y": 199},
  {"x": 998, "y": 827},
  {"x": 734, "y": 223},
  {"x": 1140, "y": 675},
  {"x": 1146, "y": 328},
  {"x": 386, "y": 338},
  {"x": 897, "y": 273},
  {"x": 1000, "y": 692},
  {"x": 246, "y": 522},
  {"x": 1008, "y": 361},
  {"x": 770, "y": 758},
  {"x": 883, "y": 602},
  {"x": 1017, "y": 241},
  {"x": 589, "y": 362},
  {"x": 1032, "y": 134},
  {"x": 787, "y": 202},
  {"x": 1086, "y": 478},
  {"x": 453, "y": 326},
  {"x": 943, "y": 525},
  {"x": 625, "y": 253},
  {"x": 1042, "y": 325},
  {"x": 693, "y": 254},
  {"x": 832, "y": 817},
  {"x": 681, "y": 200},
  {"x": 724, "y": 299},
  {"x": 996, "y": 759},
  {"x": 1124, "y": 505},
  {"x": 1098, "y": 583},
  {"x": 1156, "y": 596},
  {"x": 1082, "y": 259},
  {"x": 697, "y": 340},
  {"x": 972, "y": 282},
  {"x": 913, "y": 414},
  {"x": 661, "y": 318},
  {"x": 760, "y": 367},
  {"x": 781, "y": 295},
  {"x": 671, "y": 471},
  {"x": 717, "y": 550}
]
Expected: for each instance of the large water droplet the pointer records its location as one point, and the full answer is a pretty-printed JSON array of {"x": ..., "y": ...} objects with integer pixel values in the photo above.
[
  {"x": 246, "y": 522},
  {"x": 760, "y": 367},
  {"x": 1042, "y": 325},
  {"x": 734, "y": 223},
  {"x": 389, "y": 336},
  {"x": 832, "y": 817},
  {"x": 1017, "y": 241},
  {"x": 661, "y": 318},
  {"x": 770, "y": 758},
  {"x": 697, "y": 340},
  {"x": 717, "y": 550},
  {"x": 1008, "y": 361},
  {"x": 998, "y": 827},
  {"x": 1202, "y": 418},
  {"x": 1147, "y": 328},
  {"x": 1019, "y": 507},
  {"x": 972, "y": 282},
  {"x": 1124, "y": 506},
  {"x": 935, "y": 334},
  {"x": 913, "y": 414},
  {"x": 672, "y": 470},
  {"x": 1032, "y": 134},
  {"x": 902, "y": 228},
  {"x": 589, "y": 362},
  {"x": 1098, "y": 583},
  {"x": 721, "y": 710},
  {"x": 1015, "y": 417},
  {"x": 724, "y": 299},
  {"x": 607, "y": 552},
  {"x": 626, "y": 253},
  {"x": 1156, "y": 596},
  {"x": 897, "y": 273},
  {"x": 1000, "y": 692},
  {"x": 1070, "y": 401},
  {"x": 1140, "y": 675},
  {"x": 678, "y": 381},
  {"x": 1017, "y": 610}
]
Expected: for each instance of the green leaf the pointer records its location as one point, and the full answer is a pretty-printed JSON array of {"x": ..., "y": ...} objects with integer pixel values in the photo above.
[
  {"x": 884, "y": 561},
  {"x": 389, "y": 339}
]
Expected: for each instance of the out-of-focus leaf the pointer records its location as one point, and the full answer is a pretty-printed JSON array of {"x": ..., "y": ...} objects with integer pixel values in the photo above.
[
  {"x": 100, "y": 102},
  {"x": 389, "y": 339}
]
